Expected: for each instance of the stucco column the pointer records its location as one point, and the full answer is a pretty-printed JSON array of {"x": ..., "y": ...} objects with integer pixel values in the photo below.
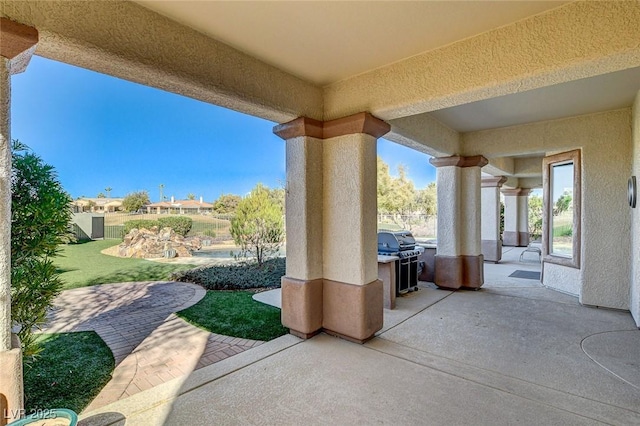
[
  {"x": 332, "y": 271},
  {"x": 516, "y": 217},
  {"x": 302, "y": 286},
  {"x": 5, "y": 205},
  {"x": 459, "y": 260},
  {"x": 491, "y": 241},
  {"x": 16, "y": 48}
]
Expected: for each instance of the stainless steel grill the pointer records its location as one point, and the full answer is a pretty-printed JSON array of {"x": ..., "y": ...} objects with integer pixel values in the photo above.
[{"x": 403, "y": 245}]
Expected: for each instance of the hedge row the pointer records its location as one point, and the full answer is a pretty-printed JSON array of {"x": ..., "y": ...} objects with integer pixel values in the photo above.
[
  {"x": 180, "y": 224},
  {"x": 235, "y": 277}
]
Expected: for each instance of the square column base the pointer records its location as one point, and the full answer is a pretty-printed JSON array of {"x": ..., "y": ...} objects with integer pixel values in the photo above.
[
  {"x": 455, "y": 272},
  {"x": 515, "y": 239},
  {"x": 11, "y": 387},
  {"x": 353, "y": 312},
  {"x": 302, "y": 306},
  {"x": 492, "y": 250}
]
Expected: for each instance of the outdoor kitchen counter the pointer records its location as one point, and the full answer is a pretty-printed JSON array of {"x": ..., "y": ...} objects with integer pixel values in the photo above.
[
  {"x": 428, "y": 260},
  {"x": 387, "y": 273}
]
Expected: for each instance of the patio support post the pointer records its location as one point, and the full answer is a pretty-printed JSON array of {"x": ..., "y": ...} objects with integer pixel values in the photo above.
[
  {"x": 332, "y": 272},
  {"x": 491, "y": 241},
  {"x": 459, "y": 259},
  {"x": 17, "y": 44},
  {"x": 5, "y": 205},
  {"x": 516, "y": 217},
  {"x": 302, "y": 286}
]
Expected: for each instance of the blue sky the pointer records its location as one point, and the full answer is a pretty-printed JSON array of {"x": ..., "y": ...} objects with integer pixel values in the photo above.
[{"x": 99, "y": 131}]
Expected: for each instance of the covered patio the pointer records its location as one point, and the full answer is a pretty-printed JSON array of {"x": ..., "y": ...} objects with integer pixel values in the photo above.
[
  {"x": 503, "y": 97},
  {"x": 512, "y": 352}
]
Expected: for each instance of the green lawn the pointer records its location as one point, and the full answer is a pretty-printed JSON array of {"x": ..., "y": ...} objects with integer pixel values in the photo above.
[
  {"x": 83, "y": 265},
  {"x": 69, "y": 372},
  {"x": 235, "y": 313}
]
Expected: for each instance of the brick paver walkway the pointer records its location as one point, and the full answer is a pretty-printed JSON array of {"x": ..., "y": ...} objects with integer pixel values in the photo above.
[{"x": 150, "y": 344}]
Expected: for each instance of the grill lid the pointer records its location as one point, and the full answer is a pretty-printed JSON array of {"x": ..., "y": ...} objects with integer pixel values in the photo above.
[{"x": 393, "y": 242}]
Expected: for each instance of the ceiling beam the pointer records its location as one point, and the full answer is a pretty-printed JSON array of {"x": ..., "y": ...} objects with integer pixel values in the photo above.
[
  {"x": 126, "y": 40},
  {"x": 578, "y": 40},
  {"x": 425, "y": 134}
]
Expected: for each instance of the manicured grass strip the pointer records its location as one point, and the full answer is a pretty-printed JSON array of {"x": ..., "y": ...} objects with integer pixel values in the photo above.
[
  {"x": 69, "y": 372},
  {"x": 82, "y": 265},
  {"x": 235, "y": 314}
]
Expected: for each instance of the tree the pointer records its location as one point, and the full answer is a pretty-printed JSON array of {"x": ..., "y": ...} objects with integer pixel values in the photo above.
[
  {"x": 108, "y": 190},
  {"x": 563, "y": 203},
  {"x": 535, "y": 216},
  {"x": 258, "y": 225},
  {"x": 405, "y": 193},
  {"x": 385, "y": 203},
  {"x": 396, "y": 196},
  {"x": 427, "y": 200},
  {"x": 191, "y": 196},
  {"x": 40, "y": 217},
  {"x": 277, "y": 195},
  {"x": 134, "y": 201},
  {"x": 226, "y": 203},
  {"x": 101, "y": 195}
]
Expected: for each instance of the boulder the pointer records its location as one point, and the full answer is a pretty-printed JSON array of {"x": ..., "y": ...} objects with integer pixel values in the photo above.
[{"x": 151, "y": 243}]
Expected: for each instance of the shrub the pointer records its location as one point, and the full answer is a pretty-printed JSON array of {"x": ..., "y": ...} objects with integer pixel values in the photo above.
[
  {"x": 258, "y": 225},
  {"x": 209, "y": 233},
  {"x": 180, "y": 224},
  {"x": 235, "y": 277},
  {"x": 139, "y": 223},
  {"x": 40, "y": 217}
]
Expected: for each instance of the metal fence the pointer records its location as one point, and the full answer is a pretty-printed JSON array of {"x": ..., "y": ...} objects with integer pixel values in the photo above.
[
  {"x": 421, "y": 226},
  {"x": 217, "y": 226}
]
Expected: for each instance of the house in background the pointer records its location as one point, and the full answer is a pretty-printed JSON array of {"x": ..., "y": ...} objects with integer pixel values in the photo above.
[
  {"x": 180, "y": 206},
  {"x": 97, "y": 205}
]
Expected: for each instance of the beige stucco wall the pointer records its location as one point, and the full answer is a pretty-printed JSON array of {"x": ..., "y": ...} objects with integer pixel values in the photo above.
[
  {"x": 532, "y": 183},
  {"x": 304, "y": 208},
  {"x": 449, "y": 189},
  {"x": 605, "y": 143},
  {"x": 350, "y": 209},
  {"x": 511, "y": 213},
  {"x": 425, "y": 133},
  {"x": 531, "y": 166},
  {"x": 578, "y": 40},
  {"x": 459, "y": 202},
  {"x": 470, "y": 220},
  {"x": 635, "y": 223},
  {"x": 490, "y": 206},
  {"x": 128, "y": 41},
  {"x": 500, "y": 166},
  {"x": 566, "y": 280},
  {"x": 523, "y": 213}
]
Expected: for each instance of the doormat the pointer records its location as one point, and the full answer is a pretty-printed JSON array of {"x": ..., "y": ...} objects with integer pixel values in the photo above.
[{"x": 527, "y": 275}]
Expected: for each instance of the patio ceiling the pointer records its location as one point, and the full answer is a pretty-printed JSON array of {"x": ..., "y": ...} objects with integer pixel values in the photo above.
[{"x": 326, "y": 42}]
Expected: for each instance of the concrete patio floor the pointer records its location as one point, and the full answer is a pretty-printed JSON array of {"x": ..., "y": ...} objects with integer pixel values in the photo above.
[{"x": 512, "y": 352}]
